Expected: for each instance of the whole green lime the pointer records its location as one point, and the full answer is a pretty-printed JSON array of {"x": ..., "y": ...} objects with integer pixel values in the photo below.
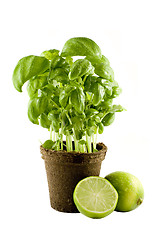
[{"x": 129, "y": 188}]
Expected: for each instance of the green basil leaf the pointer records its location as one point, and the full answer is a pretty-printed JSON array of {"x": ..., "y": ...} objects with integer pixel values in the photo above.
[
  {"x": 91, "y": 112},
  {"x": 116, "y": 91},
  {"x": 100, "y": 128},
  {"x": 55, "y": 102},
  {"x": 91, "y": 123},
  {"x": 48, "y": 144},
  {"x": 79, "y": 68},
  {"x": 36, "y": 107},
  {"x": 60, "y": 75},
  {"x": 56, "y": 60},
  {"x": 47, "y": 90},
  {"x": 78, "y": 99},
  {"x": 49, "y": 54},
  {"x": 97, "y": 119},
  {"x": 80, "y": 46},
  {"x": 90, "y": 80},
  {"x": 59, "y": 62},
  {"x": 91, "y": 130},
  {"x": 108, "y": 119},
  {"x": 117, "y": 108},
  {"x": 35, "y": 84},
  {"x": 54, "y": 117},
  {"x": 105, "y": 71},
  {"x": 80, "y": 115},
  {"x": 44, "y": 121},
  {"x": 105, "y": 60},
  {"x": 78, "y": 127},
  {"x": 79, "y": 134},
  {"x": 69, "y": 60},
  {"x": 77, "y": 121},
  {"x": 105, "y": 105},
  {"x": 27, "y": 68},
  {"x": 99, "y": 92},
  {"x": 106, "y": 84},
  {"x": 65, "y": 120},
  {"x": 64, "y": 95},
  {"x": 82, "y": 141},
  {"x": 96, "y": 60},
  {"x": 63, "y": 98}
]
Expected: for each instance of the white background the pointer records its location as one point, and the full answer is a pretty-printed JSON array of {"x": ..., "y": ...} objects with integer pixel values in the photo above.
[{"x": 128, "y": 34}]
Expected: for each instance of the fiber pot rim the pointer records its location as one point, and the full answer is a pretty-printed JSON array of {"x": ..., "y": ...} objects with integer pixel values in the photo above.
[{"x": 63, "y": 156}]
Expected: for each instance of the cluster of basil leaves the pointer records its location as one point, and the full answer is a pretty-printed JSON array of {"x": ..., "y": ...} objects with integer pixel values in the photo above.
[{"x": 71, "y": 98}]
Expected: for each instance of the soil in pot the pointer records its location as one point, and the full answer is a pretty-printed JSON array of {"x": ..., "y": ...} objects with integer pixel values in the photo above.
[{"x": 65, "y": 169}]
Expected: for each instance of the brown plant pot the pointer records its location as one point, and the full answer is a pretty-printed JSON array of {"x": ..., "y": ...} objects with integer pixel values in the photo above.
[{"x": 65, "y": 169}]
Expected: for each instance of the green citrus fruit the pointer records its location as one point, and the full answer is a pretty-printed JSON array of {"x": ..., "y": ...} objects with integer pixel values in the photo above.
[
  {"x": 95, "y": 197},
  {"x": 129, "y": 188}
]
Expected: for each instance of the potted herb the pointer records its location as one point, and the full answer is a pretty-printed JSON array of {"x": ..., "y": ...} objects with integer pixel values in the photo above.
[{"x": 73, "y": 99}]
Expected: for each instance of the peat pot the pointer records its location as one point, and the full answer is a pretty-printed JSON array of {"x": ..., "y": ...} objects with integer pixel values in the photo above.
[{"x": 65, "y": 169}]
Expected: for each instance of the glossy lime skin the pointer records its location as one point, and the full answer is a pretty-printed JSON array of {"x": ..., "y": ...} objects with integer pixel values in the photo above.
[{"x": 129, "y": 188}]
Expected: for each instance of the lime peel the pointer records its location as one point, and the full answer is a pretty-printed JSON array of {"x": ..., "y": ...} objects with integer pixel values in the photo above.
[{"x": 129, "y": 188}]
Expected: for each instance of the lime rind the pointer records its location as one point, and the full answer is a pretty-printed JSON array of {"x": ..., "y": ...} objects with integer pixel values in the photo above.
[
  {"x": 129, "y": 188},
  {"x": 95, "y": 197}
]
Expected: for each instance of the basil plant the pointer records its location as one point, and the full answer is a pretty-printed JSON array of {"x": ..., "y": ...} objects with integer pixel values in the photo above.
[{"x": 73, "y": 99}]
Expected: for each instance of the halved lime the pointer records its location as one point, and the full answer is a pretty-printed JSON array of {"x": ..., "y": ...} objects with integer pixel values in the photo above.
[{"x": 95, "y": 197}]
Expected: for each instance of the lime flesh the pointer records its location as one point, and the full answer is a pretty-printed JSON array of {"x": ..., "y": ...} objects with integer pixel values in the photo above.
[
  {"x": 129, "y": 188},
  {"x": 95, "y": 197}
]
